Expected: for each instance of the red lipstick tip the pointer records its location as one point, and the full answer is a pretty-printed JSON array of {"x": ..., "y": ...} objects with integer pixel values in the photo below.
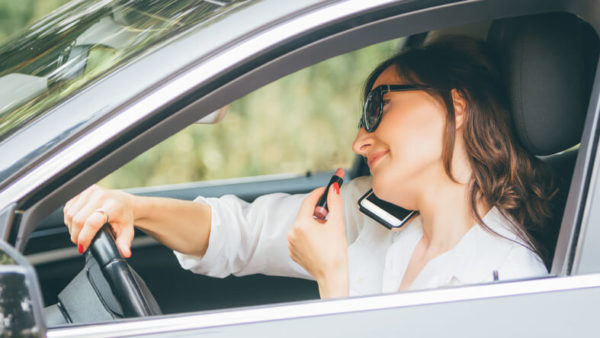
[
  {"x": 340, "y": 173},
  {"x": 320, "y": 212}
]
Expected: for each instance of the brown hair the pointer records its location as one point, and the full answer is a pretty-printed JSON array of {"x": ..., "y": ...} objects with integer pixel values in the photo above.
[{"x": 504, "y": 174}]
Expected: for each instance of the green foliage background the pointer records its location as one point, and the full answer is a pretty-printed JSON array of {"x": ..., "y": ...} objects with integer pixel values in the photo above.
[{"x": 303, "y": 122}]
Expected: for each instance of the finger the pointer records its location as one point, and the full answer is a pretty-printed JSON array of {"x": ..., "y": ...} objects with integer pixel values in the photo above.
[
  {"x": 123, "y": 241},
  {"x": 113, "y": 212},
  {"x": 310, "y": 201},
  {"x": 69, "y": 212},
  {"x": 81, "y": 199},
  {"x": 93, "y": 223},
  {"x": 79, "y": 220},
  {"x": 76, "y": 205},
  {"x": 90, "y": 194}
]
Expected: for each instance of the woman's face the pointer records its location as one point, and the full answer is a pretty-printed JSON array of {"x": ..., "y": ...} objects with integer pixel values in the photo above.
[{"x": 404, "y": 153}]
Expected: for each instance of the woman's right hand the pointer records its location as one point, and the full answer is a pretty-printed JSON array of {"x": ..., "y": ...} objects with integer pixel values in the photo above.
[
  {"x": 86, "y": 213},
  {"x": 321, "y": 247}
]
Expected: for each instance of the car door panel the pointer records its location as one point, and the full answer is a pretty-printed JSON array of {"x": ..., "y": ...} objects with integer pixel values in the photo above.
[
  {"x": 546, "y": 307},
  {"x": 511, "y": 316}
]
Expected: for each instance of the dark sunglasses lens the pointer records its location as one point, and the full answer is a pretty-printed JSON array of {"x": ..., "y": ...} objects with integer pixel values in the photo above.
[{"x": 371, "y": 110}]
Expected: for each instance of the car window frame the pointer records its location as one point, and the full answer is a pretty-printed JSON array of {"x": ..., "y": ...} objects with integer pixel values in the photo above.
[{"x": 585, "y": 241}]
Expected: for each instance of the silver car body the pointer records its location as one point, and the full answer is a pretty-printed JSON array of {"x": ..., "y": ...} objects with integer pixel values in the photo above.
[{"x": 202, "y": 70}]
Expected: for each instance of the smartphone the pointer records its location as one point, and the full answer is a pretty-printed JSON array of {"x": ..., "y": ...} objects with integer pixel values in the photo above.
[{"x": 387, "y": 214}]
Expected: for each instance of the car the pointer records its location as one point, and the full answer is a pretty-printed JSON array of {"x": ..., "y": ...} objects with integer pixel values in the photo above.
[{"x": 95, "y": 84}]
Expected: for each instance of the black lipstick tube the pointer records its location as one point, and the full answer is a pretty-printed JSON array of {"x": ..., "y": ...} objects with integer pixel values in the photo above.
[{"x": 321, "y": 209}]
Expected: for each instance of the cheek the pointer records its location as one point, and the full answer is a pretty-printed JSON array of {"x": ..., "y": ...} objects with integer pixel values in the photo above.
[
  {"x": 415, "y": 147},
  {"x": 419, "y": 137}
]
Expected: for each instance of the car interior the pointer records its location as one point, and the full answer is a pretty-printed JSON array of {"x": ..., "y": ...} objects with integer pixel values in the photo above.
[{"x": 549, "y": 63}]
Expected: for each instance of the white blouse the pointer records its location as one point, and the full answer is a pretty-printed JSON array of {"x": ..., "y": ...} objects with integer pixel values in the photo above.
[{"x": 248, "y": 238}]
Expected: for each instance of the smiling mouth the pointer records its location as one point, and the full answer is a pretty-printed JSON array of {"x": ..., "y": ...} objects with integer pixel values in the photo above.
[{"x": 374, "y": 158}]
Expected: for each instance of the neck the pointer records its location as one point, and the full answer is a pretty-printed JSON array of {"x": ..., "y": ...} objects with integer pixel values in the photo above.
[{"x": 446, "y": 215}]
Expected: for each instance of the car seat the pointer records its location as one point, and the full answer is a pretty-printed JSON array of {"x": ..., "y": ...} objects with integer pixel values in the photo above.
[{"x": 548, "y": 62}]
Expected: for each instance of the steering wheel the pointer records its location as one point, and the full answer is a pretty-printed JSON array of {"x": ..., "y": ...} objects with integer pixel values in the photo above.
[
  {"x": 107, "y": 288},
  {"x": 129, "y": 288}
]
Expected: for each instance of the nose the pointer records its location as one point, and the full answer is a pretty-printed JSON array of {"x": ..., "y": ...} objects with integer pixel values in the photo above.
[{"x": 362, "y": 142}]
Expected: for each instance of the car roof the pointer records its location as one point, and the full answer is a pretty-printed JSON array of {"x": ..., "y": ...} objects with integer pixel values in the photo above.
[{"x": 31, "y": 142}]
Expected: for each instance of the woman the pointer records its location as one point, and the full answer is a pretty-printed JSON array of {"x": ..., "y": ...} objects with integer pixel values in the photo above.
[{"x": 438, "y": 138}]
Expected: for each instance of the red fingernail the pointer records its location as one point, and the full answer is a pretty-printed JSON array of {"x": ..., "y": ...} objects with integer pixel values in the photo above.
[
  {"x": 80, "y": 248},
  {"x": 336, "y": 188}
]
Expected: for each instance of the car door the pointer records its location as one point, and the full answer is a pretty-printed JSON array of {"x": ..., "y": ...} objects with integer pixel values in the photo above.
[{"x": 466, "y": 310}]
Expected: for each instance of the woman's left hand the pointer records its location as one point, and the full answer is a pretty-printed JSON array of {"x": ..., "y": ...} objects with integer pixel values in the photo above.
[{"x": 319, "y": 246}]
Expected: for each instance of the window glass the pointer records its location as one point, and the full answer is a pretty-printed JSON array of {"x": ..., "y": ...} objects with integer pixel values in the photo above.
[
  {"x": 84, "y": 40},
  {"x": 303, "y": 122}
]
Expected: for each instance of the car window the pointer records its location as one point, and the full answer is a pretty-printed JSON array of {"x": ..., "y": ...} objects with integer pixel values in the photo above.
[
  {"x": 301, "y": 123},
  {"x": 83, "y": 41}
]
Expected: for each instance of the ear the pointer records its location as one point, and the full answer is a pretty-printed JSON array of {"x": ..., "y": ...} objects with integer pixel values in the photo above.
[{"x": 460, "y": 108}]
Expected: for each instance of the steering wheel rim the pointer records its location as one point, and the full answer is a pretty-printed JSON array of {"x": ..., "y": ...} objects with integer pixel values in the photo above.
[{"x": 128, "y": 287}]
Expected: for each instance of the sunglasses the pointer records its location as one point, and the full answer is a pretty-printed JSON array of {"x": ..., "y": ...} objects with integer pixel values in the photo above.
[{"x": 373, "y": 108}]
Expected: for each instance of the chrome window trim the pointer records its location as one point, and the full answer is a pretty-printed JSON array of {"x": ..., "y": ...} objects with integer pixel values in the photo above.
[
  {"x": 219, "y": 182},
  {"x": 585, "y": 258},
  {"x": 586, "y": 244},
  {"x": 576, "y": 222},
  {"x": 169, "y": 91},
  {"x": 196, "y": 321}
]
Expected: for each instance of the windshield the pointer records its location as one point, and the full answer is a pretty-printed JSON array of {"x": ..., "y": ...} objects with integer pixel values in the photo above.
[{"x": 82, "y": 41}]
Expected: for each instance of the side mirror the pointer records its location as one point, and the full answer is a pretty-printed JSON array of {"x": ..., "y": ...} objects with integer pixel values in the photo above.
[
  {"x": 20, "y": 297},
  {"x": 214, "y": 117}
]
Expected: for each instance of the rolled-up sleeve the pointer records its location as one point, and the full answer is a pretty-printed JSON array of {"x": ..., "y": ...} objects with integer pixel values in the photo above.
[{"x": 248, "y": 238}]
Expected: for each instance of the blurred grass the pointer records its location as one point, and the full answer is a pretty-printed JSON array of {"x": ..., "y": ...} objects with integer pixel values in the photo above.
[{"x": 303, "y": 122}]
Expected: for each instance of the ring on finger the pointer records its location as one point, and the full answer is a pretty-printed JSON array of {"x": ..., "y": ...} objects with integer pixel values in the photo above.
[{"x": 104, "y": 214}]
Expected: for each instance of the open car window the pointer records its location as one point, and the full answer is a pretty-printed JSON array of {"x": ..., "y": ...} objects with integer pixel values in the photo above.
[{"x": 302, "y": 123}]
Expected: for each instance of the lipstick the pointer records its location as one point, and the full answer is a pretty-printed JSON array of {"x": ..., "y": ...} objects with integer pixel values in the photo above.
[{"x": 321, "y": 209}]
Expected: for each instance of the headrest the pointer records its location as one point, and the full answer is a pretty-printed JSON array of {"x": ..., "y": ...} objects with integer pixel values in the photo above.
[{"x": 548, "y": 62}]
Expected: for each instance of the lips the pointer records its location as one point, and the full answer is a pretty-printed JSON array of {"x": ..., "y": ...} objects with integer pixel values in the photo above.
[{"x": 373, "y": 158}]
